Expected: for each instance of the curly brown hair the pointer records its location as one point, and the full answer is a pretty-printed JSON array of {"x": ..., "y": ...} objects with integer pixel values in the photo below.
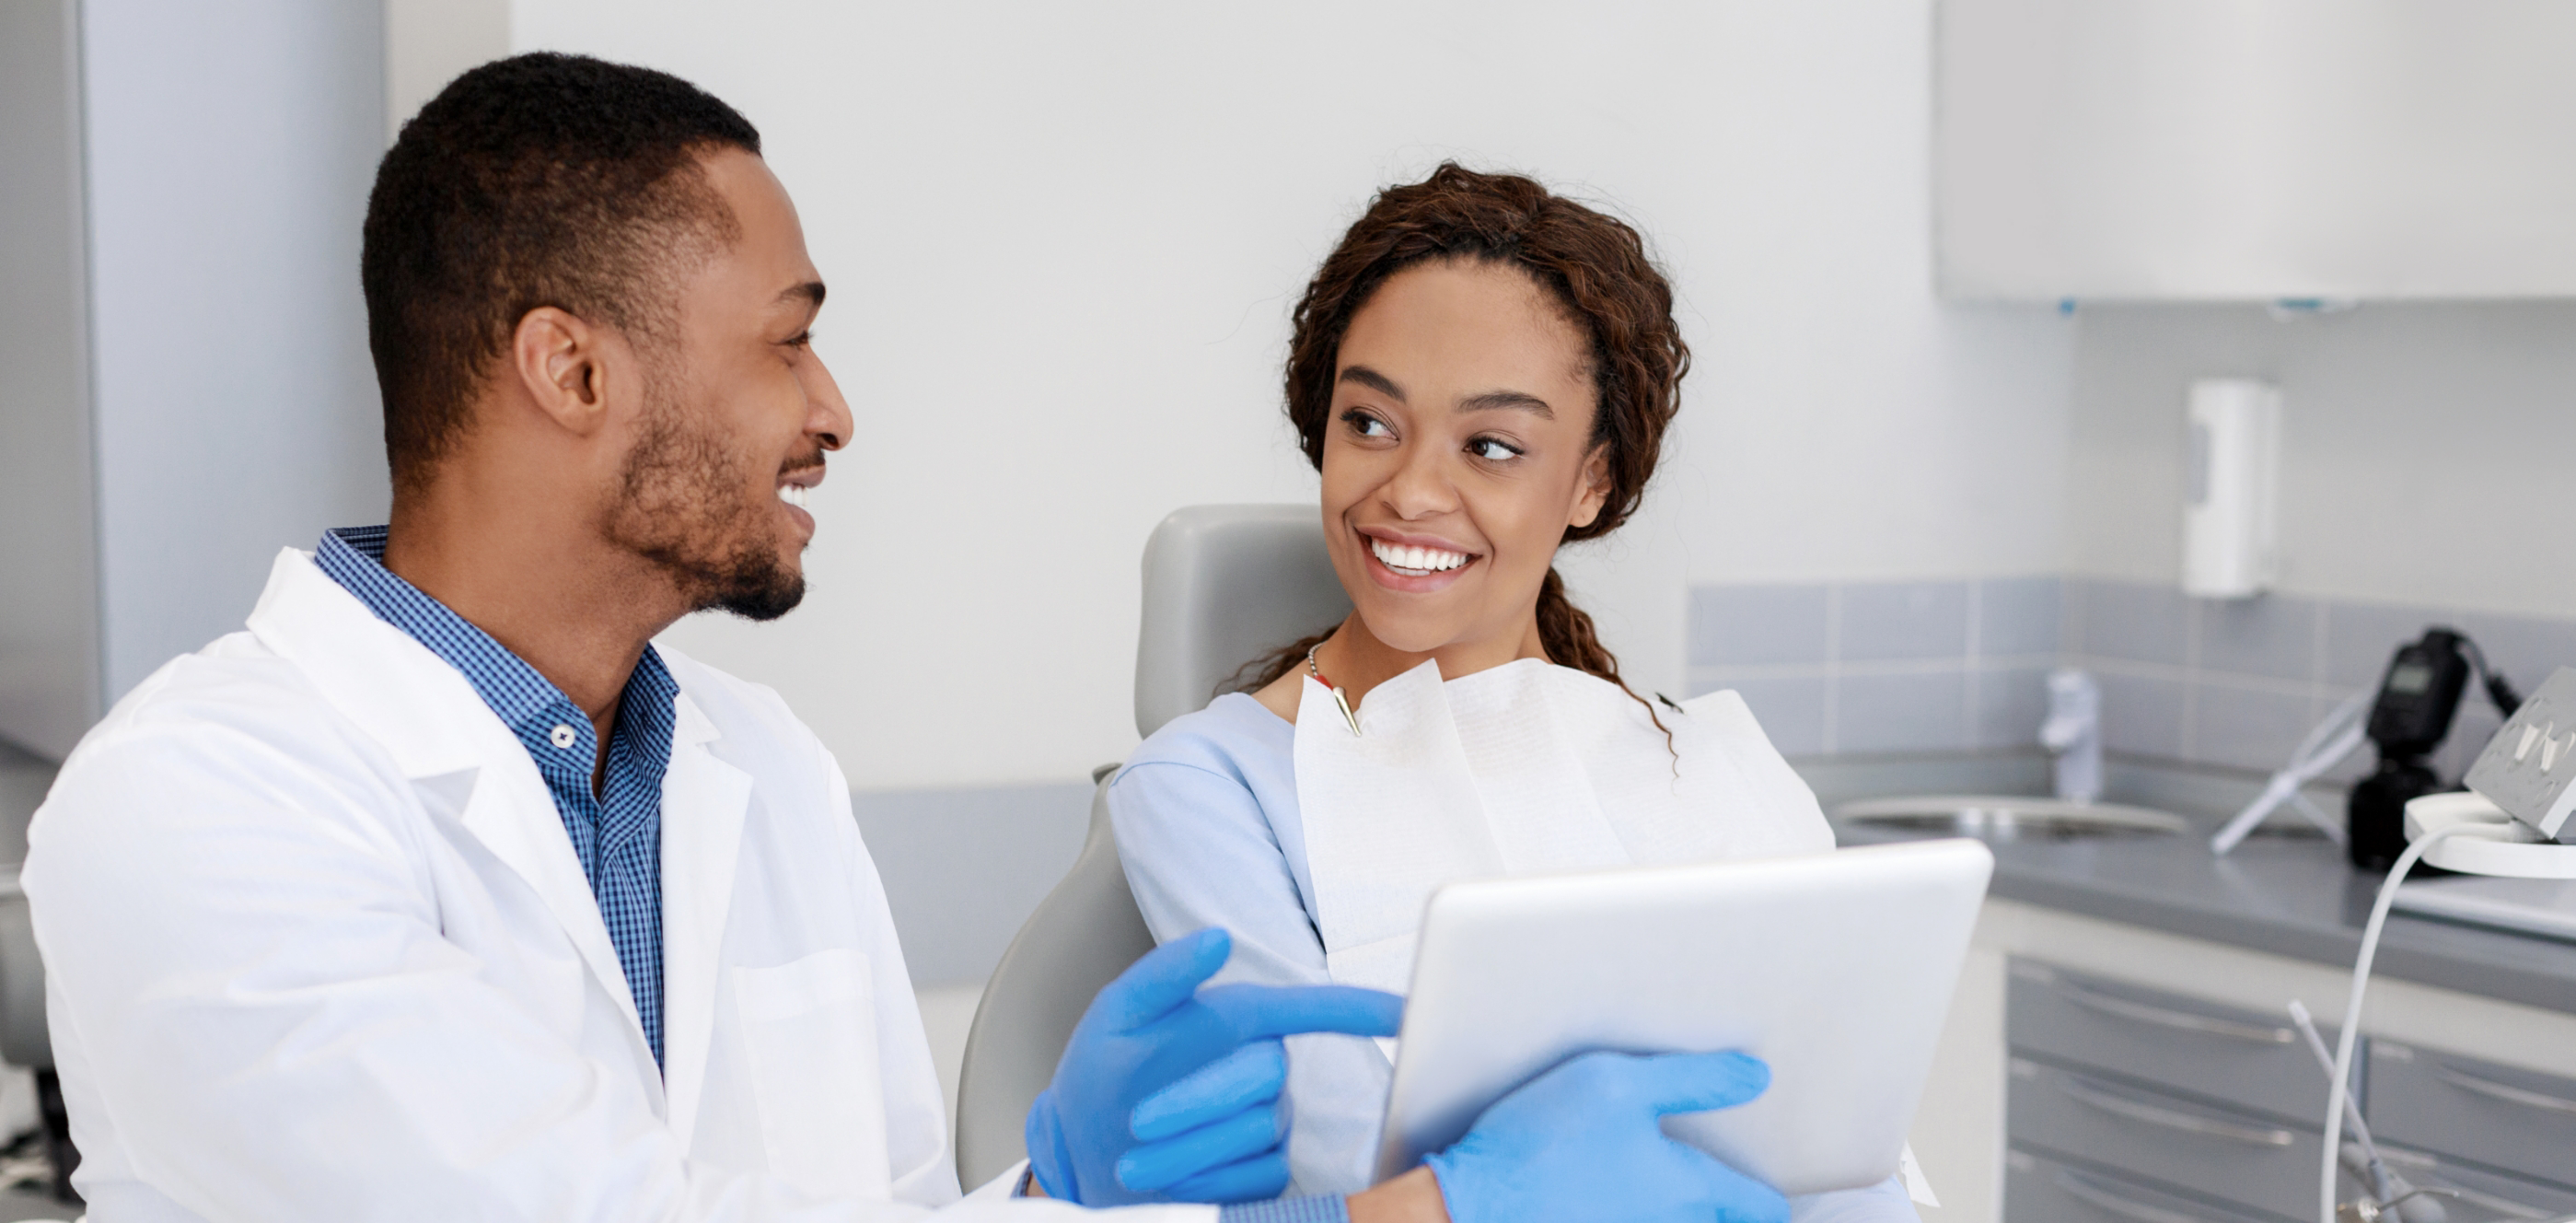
[{"x": 1596, "y": 268}]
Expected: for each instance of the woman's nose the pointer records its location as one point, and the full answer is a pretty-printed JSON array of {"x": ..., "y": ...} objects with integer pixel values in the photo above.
[{"x": 1421, "y": 487}]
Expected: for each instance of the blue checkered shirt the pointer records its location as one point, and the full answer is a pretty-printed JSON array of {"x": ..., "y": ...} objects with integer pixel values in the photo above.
[
  {"x": 617, "y": 831},
  {"x": 1288, "y": 1210}
]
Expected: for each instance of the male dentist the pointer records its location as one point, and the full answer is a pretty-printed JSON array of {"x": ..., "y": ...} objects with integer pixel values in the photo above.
[{"x": 440, "y": 893}]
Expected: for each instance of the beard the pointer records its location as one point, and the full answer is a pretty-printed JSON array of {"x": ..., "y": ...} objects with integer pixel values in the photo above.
[{"x": 680, "y": 506}]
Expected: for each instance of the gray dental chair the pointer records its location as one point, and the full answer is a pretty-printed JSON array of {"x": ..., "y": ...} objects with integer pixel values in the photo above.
[{"x": 1223, "y": 583}]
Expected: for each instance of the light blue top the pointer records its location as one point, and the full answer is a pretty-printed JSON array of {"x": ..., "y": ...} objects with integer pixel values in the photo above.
[{"x": 1208, "y": 828}]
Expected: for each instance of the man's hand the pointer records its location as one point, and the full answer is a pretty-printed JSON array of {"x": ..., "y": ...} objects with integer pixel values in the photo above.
[
  {"x": 1583, "y": 1142},
  {"x": 1171, "y": 1093}
]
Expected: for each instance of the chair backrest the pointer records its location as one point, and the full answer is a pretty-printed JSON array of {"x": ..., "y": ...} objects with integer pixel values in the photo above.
[
  {"x": 1222, "y": 584},
  {"x": 1081, "y": 937}
]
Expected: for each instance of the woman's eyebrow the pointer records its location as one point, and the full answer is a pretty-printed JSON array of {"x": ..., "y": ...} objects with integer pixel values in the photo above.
[
  {"x": 1519, "y": 401},
  {"x": 1374, "y": 381}
]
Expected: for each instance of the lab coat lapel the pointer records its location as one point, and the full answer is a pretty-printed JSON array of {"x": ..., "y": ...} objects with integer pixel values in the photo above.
[
  {"x": 419, "y": 709},
  {"x": 704, "y": 801}
]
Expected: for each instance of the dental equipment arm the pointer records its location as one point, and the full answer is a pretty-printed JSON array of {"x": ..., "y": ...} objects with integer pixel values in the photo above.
[{"x": 2326, "y": 745}]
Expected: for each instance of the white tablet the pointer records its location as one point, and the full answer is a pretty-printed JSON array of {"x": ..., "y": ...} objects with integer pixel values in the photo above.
[{"x": 1834, "y": 968}]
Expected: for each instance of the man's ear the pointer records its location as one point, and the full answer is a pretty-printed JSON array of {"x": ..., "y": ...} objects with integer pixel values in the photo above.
[
  {"x": 562, "y": 365},
  {"x": 1596, "y": 487}
]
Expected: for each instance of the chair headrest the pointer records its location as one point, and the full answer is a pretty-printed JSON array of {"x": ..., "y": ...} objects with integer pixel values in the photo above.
[{"x": 1223, "y": 584}]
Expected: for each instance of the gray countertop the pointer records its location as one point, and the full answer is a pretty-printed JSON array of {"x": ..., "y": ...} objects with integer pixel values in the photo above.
[{"x": 2283, "y": 892}]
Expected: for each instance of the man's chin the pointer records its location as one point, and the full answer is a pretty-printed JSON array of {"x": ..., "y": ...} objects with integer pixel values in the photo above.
[
  {"x": 764, "y": 602},
  {"x": 756, "y": 585}
]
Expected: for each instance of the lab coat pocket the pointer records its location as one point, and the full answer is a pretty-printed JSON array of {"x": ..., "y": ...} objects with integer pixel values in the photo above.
[{"x": 810, "y": 1035}]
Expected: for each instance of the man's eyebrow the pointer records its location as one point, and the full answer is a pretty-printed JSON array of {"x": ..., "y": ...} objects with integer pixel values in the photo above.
[
  {"x": 1519, "y": 401},
  {"x": 1374, "y": 381},
  {"x": 810, "y": 293}
]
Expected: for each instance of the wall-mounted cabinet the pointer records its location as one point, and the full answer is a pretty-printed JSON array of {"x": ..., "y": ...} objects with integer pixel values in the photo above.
[{"x": 2213, "y": 150}]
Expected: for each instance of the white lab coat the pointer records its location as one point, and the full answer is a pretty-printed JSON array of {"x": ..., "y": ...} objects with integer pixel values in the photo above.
[{"x": 318, "y": 948}]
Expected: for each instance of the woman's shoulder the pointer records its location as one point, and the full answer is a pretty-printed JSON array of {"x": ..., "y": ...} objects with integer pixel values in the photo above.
[
  {"x": 1233, "y": 735},
  {"x": 1230, "y": 765}
]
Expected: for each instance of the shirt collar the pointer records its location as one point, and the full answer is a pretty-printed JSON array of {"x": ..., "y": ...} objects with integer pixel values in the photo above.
[{"x": 522, "y": 698}]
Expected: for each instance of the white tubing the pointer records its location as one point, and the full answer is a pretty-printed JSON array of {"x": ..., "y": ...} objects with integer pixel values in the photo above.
[{"x": 2335, "y": 1094}]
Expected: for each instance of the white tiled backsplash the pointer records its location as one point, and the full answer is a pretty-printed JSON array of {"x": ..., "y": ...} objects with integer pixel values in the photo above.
[{"x": 1868, "y": 667}]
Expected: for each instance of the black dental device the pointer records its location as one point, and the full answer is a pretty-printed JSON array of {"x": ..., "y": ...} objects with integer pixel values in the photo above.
[{"x": 2410, "y": 717}]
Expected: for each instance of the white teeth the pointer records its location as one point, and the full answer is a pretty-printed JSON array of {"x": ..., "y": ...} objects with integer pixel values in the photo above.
[
  {"x": 1416, "y": 560},
  {"x": 792, "y": 494}
]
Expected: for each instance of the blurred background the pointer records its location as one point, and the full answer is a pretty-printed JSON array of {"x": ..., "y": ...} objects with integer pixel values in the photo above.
[{"x": 1948, "y": 270}]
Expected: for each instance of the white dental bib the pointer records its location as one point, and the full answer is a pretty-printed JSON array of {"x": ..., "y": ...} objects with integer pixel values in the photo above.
[{"x": 1522, "y": 769}]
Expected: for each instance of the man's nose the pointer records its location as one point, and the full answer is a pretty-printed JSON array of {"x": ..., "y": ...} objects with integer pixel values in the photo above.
[{"x": 827, "y": 415}]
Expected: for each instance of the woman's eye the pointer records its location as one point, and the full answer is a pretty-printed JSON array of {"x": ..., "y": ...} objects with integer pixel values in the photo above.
[
  {"x": 1493, "y": 449},
  {"x": 1366, "y": 425}
]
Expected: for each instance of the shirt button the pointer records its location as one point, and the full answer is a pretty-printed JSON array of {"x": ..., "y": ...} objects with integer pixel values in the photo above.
[{"x": 562, "y": 736}]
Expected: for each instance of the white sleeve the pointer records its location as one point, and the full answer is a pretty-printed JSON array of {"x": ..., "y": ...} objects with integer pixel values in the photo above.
[{"x": 272, "y": 1024}]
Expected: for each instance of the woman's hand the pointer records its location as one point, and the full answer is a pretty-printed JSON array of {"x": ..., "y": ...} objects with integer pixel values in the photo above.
[{"x": 1583, "y": 1141}]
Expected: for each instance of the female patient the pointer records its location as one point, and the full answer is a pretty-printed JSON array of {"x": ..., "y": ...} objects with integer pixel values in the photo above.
[{"x": 1483, "y": 372}]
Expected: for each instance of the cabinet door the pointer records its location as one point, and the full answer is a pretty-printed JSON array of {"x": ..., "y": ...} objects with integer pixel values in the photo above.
[
  {"x": 2228, "y": 1155},
  {"x": 2255, "y": 149},
  {"x": 2520, "y": 1121},
  {"x": 2476, "y": 1195},
  {"x": 2188, "y": 1045},
  {"x": 2038, "y": 1189}
]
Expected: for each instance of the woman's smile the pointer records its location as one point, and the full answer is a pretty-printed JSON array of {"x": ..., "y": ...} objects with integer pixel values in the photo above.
[{"x": 1414, "y": 565}]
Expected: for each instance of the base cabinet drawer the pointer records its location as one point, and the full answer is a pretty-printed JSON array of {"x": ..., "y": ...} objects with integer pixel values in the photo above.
[
  {"x": 2477, "y": 1195},
  {"x": 2189, "y": 1045},
  {"x": 2520, "y": 1121},
  {"x": 2227, "y": 1154},
  {"x": 2038, "y": 1189}
]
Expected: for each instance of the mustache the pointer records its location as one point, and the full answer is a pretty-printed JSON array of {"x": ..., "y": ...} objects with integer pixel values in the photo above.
[{"x": 809, "y": 461}]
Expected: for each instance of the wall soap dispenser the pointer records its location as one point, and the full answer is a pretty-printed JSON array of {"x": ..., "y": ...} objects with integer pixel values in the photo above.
[{"x": 2230, "y": 547}]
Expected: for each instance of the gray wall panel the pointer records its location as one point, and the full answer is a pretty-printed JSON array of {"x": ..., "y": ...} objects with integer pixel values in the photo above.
[
  {"x": 230, "y": 152},
  {"x": 49, "y": 648}
]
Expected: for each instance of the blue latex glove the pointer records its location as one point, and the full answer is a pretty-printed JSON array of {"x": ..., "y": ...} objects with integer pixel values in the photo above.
[
  {"x": 1583, "y": 1142},
  {"x": 1168, "y": 1092}
]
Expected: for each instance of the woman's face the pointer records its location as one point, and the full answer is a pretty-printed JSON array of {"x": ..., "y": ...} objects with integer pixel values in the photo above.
[{"x": 1456, "y": 454}]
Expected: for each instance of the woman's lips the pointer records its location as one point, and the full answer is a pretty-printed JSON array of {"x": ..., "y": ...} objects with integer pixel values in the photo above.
[
  {"x": 1415, "y": 560},
  {"x": 1414, "y": 570}
]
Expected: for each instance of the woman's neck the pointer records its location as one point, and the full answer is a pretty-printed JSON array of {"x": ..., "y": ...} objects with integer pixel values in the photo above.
[{"x": 1355, "y": 660}]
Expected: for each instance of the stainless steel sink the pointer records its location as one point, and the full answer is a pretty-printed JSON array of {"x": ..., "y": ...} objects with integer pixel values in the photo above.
[{"x": 2002, "y": 818}]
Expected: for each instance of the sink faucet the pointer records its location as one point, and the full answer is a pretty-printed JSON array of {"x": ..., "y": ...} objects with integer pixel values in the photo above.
[{"x": 2074, "y": 732}]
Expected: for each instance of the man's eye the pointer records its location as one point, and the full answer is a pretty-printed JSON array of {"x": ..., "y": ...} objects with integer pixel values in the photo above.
[
  {"x": 802, "y": 339},
  {"x": 1493, "y": 449}
]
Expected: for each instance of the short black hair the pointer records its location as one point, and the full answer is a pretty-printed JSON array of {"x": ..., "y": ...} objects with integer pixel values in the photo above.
[{"x": 538, "y": 180}]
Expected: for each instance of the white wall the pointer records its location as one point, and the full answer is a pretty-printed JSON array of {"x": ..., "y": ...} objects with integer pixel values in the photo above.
[
  {"x": 1063, "y": 241},
  {"x": 428, "y": 42},
  {"x": 2424, "y": 446},
  {"x": 230, "y": 150}
]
